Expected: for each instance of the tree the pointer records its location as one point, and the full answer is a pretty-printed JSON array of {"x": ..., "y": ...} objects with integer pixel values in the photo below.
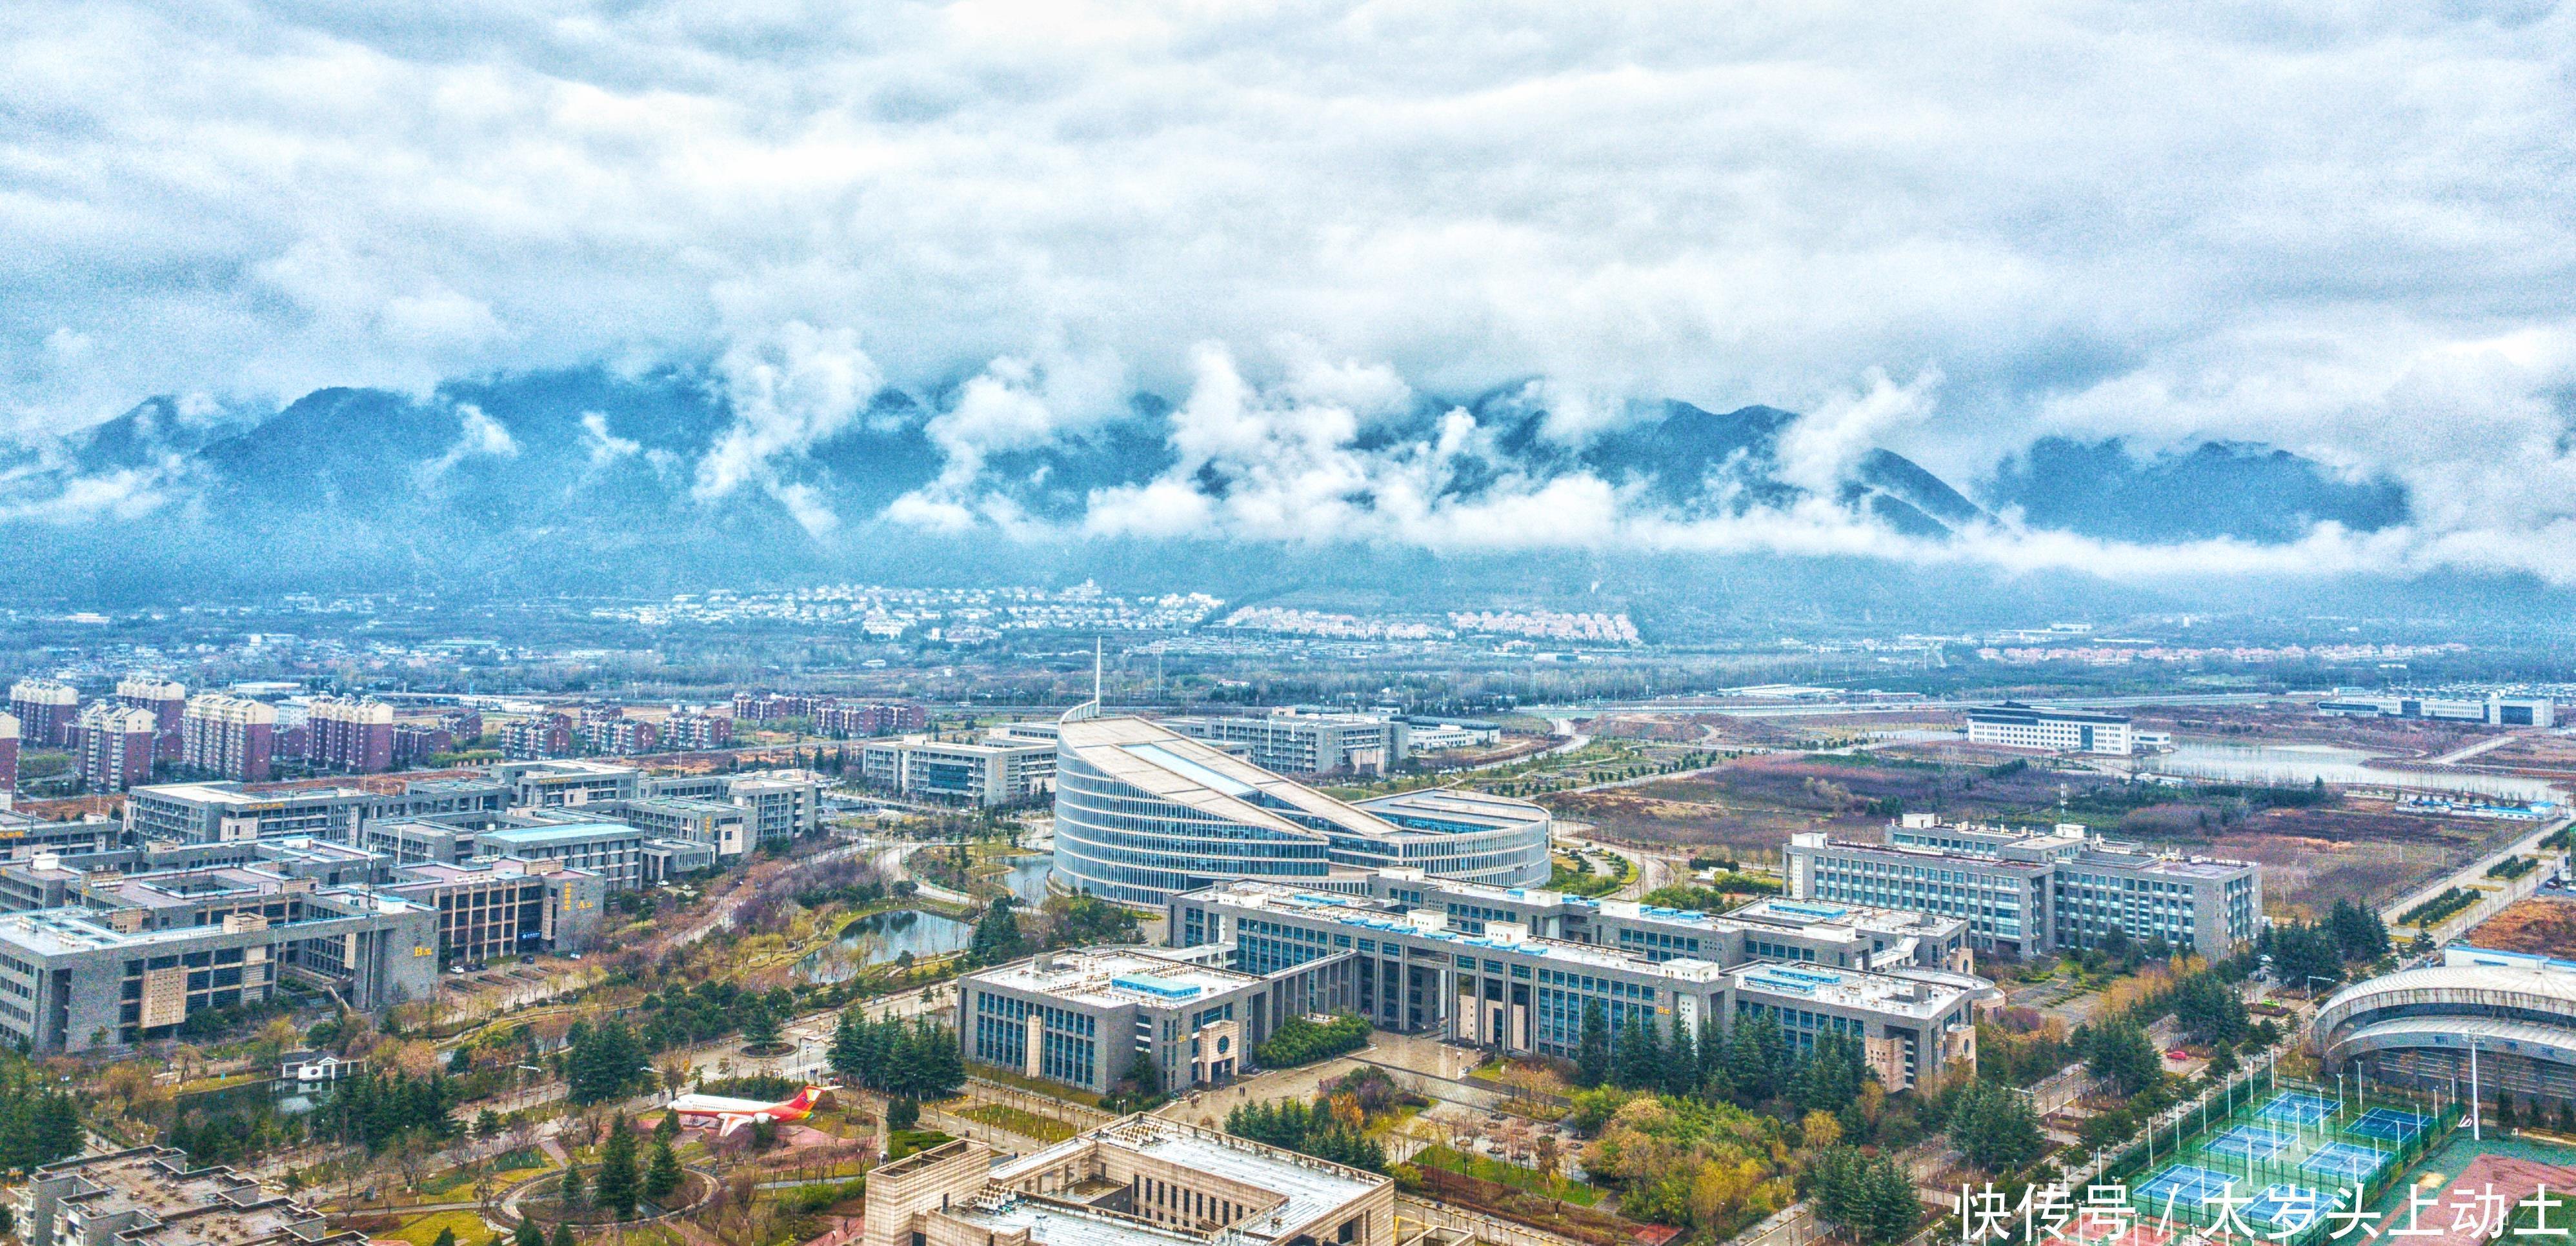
[
  {"x": 997, "y": 936},
  {"x": 563, "y": 1235},
  {"x": 1638, "y": 1059},
  {"x": 2305, "y": 956},
  {"x": 2358, "y": 932},
  {"x": 1994, "y": 1127},
  {"x": 2210, "y": 1010},
  {"x": 1592, "y": 1057},
  {"x": 602, "y": 1063},
  {"x": 2119, "y": 1052},
  {"x": 574, "y": 1195},
  {"x": 528, "y": 1233},
  {"x": 759, "y": 1026},
  {"x": 663, "y": 1176},
  {"x": 616, "y": 1184},
  {"x": 446, "y": 1237}
]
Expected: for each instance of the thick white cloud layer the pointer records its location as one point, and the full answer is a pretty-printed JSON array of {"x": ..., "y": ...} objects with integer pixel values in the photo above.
[{"x": 1942, "y": 227}]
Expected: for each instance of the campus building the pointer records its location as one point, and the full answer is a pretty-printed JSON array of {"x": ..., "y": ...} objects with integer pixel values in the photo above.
[
  {"x": 546, "y": 783},
  {"x": 777, "y": 805},
  {"x": 1136, "y": 1181},
  {"x": 2030, "y": 892},
  {"x": 214, "y": 812},
  {"x": 721, "y": 825},
  {"x": 1303, "y": 742},
  {"x": 228, "y": 737},
  {"x": 2497, "y": 710},
  {"x": 2014, "y": 725},
  {"x": 91, "y": 975},
  {"x": 993, "y": 771},
  {"x": 116, "y": 745},
  {"x": 1068, "y": 1016},
  {"x": 2420, "y": 1027},
  {"x": 156, "y": 1196},
  {"x": 1143, "y": 814},
  {"x": 489, "y": 908},
  {"x": 8, "y": 755},
  {"x": 1896, "y": 983}
]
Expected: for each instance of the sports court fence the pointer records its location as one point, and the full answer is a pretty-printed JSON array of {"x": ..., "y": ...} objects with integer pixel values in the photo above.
[{"x": 2268, "y": 1161}]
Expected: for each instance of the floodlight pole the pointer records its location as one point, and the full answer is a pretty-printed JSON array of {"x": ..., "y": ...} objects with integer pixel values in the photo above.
[{"x": 2476, "y": 1130}]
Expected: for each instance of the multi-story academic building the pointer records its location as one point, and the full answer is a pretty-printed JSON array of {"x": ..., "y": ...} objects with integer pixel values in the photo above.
[
  {"x": 1517, "y": 969},
  {"x": 155, "y": 1195},
  {"x": 143, "y": 953},
  {"x": 2014, "y": 725},
  {"x": 2030, "y": 892},
  {"x": 1143, "y": 814},
  {"x": 1295, "y": 742},
  {"x": 997, "y": 770},
  {"x": 1136, "y": 1181}
]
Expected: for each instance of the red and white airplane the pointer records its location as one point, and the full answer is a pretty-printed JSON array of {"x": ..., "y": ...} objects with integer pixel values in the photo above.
[{"x": 729, "y": 1115}]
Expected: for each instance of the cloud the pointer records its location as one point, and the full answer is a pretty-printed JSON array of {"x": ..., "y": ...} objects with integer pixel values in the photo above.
[
  {"x": 2341, "y": 233},
  {"x": 789, "y": 388},
  {"x": 478, "y": 436}
]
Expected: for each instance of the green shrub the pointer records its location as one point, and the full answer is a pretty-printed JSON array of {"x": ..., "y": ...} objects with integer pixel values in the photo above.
[{"x": 1300, "y": 1041}]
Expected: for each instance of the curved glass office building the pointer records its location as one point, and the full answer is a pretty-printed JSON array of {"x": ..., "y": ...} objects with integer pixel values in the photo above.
[{"x": 1143, "y": 813}]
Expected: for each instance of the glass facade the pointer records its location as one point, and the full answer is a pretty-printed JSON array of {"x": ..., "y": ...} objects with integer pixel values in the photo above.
[{"x": 1118, "y": 842}]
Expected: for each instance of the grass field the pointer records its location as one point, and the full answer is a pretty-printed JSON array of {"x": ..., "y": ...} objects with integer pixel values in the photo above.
[
  {"x": 1025, "y": 1124},
  {"x": 1486, "y": 1168},
  {"x": 469, "y": 1228}
]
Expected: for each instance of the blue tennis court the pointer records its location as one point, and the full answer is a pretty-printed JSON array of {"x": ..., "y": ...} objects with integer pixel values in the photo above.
[
  {"x": 2298, "y": 1108},
  {"x": 2251, "y": 1142},
  {"x": 2345, "y": 1161},
  {"x": 2290, "y": 1208},
  {"x": 2183, "y": 1185},
  {"x": 2388, "y": 1124}
]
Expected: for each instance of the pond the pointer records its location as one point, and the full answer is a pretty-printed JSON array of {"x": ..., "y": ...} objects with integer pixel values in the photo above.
[
  {"x": 882, "y": 937},
  {"x": 1027, "y": 879},
  {"x": 2297, "y": 765}
]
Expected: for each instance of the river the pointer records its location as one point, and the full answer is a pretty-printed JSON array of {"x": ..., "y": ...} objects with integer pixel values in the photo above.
[{"x": 2297, "y": 765}]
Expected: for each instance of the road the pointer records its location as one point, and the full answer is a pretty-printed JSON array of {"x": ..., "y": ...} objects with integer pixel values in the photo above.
[{"x": 2476, "y": 872}]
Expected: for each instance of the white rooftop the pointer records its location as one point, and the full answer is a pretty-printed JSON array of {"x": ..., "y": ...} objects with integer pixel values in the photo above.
[{"x": 1118, "y": 976}]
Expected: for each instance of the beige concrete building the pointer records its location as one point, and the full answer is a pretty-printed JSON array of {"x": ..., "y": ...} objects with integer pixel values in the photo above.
[{"x": 1138, "y": 1181}]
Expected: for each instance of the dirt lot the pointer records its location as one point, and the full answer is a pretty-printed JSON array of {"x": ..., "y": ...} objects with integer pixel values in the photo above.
[
  {"x": 2545, "y": 927},
  {"x": 1750, "y": 807},
  {"x": 2286, "y": 722},
  {"x": 2532, "y": 754}
]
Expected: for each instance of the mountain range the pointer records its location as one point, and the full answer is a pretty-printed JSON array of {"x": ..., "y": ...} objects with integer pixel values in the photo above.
[{"x": 587, "y": 480}]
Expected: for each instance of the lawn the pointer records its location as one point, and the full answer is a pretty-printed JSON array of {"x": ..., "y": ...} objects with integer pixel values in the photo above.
[
  {"x": 1052, "y": 1090},
  {"x": 467, "y": 1226},
  {"x": 1486, "y": 1168},
  {"x": 1024, "y": 1123}
]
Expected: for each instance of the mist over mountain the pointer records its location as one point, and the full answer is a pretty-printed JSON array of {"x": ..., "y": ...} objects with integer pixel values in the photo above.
[{"x": 585, "y": 480}]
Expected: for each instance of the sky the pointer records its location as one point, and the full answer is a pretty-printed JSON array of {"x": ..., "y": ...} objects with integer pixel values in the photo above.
[{"x": 1943, "y": 228}]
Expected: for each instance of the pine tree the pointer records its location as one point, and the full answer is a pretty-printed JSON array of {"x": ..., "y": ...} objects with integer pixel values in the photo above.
[
  {"x": 1681, "y": 1062},
  {"x": 663, "y": 1176},
  {"x": 1592, "y": 1058},
  {"x": 1639, "y": 1058},
  {"x": 997, "y": 937},
  {"x": 563, "y": 1235},
  {"x": 574, "y": 1195},
  {"x": 446, "y": 1237},
  {"x": 528, "y": 1233},
  {"x": 1750, "y": 1058},
  {"x": 616, "y": 1183},
  {"x": 850, "y": 1053}
]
